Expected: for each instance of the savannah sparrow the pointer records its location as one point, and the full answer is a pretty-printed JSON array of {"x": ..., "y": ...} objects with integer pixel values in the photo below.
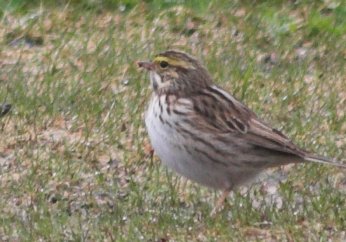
[{"x": 203, "y": 133}]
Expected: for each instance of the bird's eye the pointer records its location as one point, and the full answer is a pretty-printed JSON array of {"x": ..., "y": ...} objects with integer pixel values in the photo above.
[{"x": 163, "y": 64}]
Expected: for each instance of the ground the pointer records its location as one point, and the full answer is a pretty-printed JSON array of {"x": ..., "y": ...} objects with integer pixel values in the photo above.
[{"x": 75, "y": 158}]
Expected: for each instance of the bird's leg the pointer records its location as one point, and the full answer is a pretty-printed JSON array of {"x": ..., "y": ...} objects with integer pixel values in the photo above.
[
  {"x": 220, "y": 202},
  {"x": 151, "y": 154},
  {"x": 149, "y": 150}
]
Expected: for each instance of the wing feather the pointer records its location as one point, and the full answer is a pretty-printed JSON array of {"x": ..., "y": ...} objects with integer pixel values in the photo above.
[{"x": 220, "y": 112}]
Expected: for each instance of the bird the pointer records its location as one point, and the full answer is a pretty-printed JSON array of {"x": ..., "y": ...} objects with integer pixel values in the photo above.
[{"x": 205, "y": 134}]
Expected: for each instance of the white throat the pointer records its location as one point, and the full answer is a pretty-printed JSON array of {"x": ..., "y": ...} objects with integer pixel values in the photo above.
[{"x": 157, "y": 82}]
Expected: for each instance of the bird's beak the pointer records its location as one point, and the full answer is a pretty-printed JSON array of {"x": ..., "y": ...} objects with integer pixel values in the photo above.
[{"x": 146, "y": 65}]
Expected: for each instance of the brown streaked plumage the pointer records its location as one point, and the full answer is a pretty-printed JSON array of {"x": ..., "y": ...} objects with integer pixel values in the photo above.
[{"x": 204, "y": 133}]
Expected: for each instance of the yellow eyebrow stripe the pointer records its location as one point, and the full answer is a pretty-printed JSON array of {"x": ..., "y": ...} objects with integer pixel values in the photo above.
[{"x": 174, "y": 62}]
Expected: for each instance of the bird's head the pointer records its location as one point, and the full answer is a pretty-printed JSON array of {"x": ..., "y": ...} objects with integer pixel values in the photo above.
[{"x": 175, "y": 71}]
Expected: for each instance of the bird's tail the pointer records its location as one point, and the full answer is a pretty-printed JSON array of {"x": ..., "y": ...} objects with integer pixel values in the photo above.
[{"x": 323, "y": 160}]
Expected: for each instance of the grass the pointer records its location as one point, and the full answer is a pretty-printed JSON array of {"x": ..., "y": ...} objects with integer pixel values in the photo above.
[{"x": 74, "y": 161}]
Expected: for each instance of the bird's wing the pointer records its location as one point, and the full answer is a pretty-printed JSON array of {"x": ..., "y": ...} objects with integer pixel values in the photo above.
[
  {"x": 265, "y": 137},
  {"x": 214, "y": 111},
  {"x": 220, "y": 112}
]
